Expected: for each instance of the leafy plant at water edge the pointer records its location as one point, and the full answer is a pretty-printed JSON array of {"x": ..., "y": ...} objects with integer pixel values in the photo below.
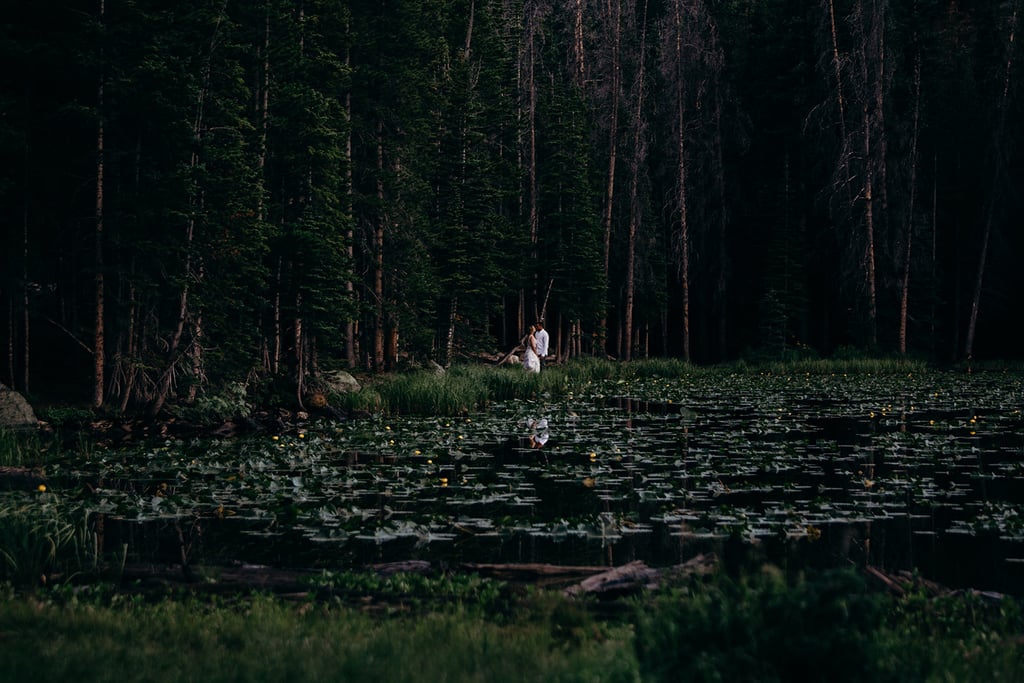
[
  {"x": 40, "y": 536},
  {"x": 231, "y": 401}
]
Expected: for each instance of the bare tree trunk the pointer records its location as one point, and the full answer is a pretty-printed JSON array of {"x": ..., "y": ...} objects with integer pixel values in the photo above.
[
  {"x": 578, "y": 53},
  {"x": 722, "y": 281},
  {"x": 264, "y": 110},
  {"x": 131, "y": 373},
  {"x": 998, "y": 167},
  {"x": 378, "y": 259},
  {"x": 350, "y": 326},
  {"x": 869, "y": 234},
  {"x": 908, "y": 234},
  {"x": 275, "y": 362},
  {"x": 25, "y": 303},
  {"x": 98, "y": 350},
  {"x": 614, "y": 15},
  {"x": 869, "y": 97},
  {"x": 10, "y": 338},
  {"x": 840, "y": 98},
  {"x": 531, "y": 113},
  {"x": 678, "y": 84},
  {"x": 453, "y": 314},
  {"x": 300, "y": 355},
  {"x": 635, "y": 209},
  {"x": 881, "y": 75}
]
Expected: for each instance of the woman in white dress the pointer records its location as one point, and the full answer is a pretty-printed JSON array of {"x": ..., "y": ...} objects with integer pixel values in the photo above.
[{"x": 531, "y": 361}]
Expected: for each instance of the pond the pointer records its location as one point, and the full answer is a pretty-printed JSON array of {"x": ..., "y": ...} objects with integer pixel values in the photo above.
[{"x": 917, "y": 472}]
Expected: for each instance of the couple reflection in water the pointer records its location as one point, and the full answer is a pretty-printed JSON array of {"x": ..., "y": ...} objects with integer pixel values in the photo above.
[{"x": 538, "y": 432}]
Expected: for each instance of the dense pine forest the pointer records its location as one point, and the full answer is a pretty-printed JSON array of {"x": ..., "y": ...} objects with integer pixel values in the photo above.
[{"x": 208, "y": 192}]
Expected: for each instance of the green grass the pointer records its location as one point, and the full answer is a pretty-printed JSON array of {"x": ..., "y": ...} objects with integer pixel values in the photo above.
[
  {"x": 40, "y": 536},
  {"x": 268, "y": 640},
  {"x": 20, "y": 449},
  {"x": 465, "y": 389},
  {"x": 763, "y": 627}
]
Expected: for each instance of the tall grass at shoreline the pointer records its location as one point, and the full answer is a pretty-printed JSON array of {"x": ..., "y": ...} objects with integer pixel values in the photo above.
[
  {"x": 42, "y": 537},
  {"x": 464, "y": 389}
]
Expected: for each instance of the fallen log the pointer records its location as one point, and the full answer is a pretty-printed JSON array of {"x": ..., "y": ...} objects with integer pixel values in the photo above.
[
  {"x": 627, "y": 578},
  {"x": 406, "y": 567},
  {"x": 538, "y": 573},
  {"x": 635, "y": 576}
]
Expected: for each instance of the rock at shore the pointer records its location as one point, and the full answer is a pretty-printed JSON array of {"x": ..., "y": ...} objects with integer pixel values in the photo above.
[{"x": 15, "y": 412}]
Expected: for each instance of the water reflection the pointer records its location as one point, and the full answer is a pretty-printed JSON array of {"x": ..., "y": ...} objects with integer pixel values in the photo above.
[
  {"x": 790, "y": 474},
  {"x": 538, "y": 433}
]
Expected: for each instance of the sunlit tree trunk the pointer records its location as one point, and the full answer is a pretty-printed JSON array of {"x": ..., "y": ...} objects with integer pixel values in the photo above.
[{"x": 578, "y": 51}]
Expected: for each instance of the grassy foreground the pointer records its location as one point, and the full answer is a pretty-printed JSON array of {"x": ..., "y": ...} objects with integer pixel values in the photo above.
[{"x": 832, "y": 627}]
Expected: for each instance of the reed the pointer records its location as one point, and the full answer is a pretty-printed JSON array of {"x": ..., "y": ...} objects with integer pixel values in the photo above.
[
  {"x": 850, "y": 366},
  {"x": 21, "y": 449},
  {"x": 464, "y": 389},
  {"x": 40, "y": 537}
]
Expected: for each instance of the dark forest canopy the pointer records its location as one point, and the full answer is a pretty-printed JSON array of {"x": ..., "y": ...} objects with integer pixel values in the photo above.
[{"x": 203, "y": 191}]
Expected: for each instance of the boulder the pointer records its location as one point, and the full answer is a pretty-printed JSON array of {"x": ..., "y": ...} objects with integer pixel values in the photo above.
[
  {"x": 15, "y": 412},
  {"x": 341, "y": 381}
]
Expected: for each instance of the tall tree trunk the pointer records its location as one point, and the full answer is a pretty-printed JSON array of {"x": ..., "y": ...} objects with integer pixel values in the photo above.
[
  {"x": 678, "y": 84},
  {"x": 378, "y": 259},
  {"x": 25, "y": 386},
  {"x": 350, "y": 290},
  {"x": 614, "y": 15},
  {"x": 531, "y": 112},
  {"x": 300, "y": 355},
  {"x": 908, "y": 233},
  {"x": 869, "y": 233},
  {"x": 722, "y": 281},
  {"x": 578, "y": 52},
  {"x": 869, "y": 26},
  {"x": 840, "y": 97},
  {"x": 998, "y": 168},
  {"x": 453, "y": 314},
  {"x": 98, "y": 350},
  {"x": 635, "y": 208}
]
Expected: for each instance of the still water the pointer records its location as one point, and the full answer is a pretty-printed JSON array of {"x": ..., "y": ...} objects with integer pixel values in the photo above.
[{"x": 919, "y": 473}]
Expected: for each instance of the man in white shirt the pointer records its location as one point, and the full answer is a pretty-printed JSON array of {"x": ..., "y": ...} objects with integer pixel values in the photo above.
[{"x": 541, "y": 335}]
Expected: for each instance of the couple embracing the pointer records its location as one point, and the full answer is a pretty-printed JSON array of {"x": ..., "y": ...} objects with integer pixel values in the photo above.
[{"x": 536, "y": 347}]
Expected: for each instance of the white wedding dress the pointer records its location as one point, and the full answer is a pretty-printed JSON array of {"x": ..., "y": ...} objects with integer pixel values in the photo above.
[{"x": 530, "y": 360}]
